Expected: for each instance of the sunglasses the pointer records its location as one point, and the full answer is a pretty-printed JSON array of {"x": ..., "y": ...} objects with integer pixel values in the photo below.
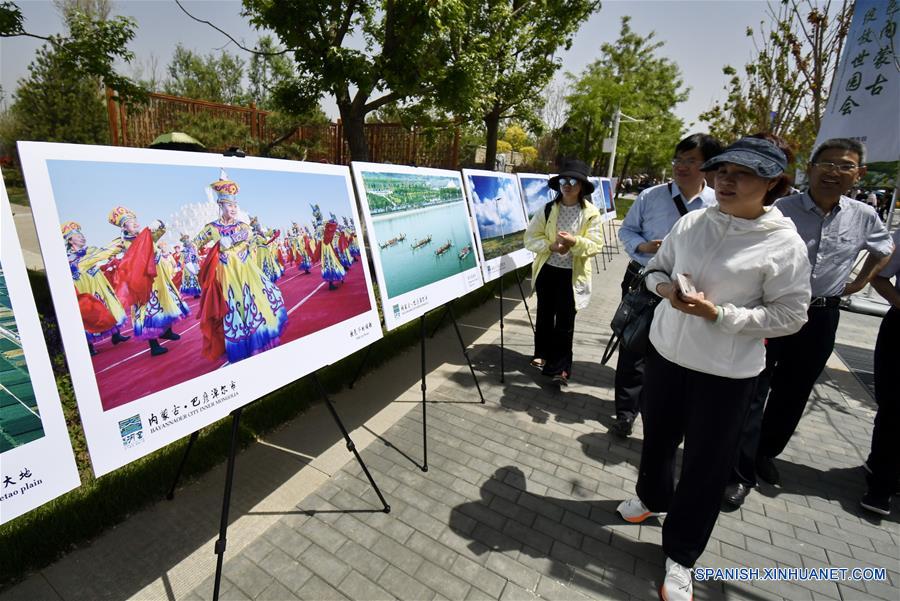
[{"x": 568, "y": 181}]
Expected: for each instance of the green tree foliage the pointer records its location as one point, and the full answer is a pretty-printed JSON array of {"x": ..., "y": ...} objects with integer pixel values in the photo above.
[
  {"x": 784, "y": 88},
  {"x": 529, "y": 153},
  {"x": 516, "y": 136},
  {"x": 55, "y": 104},
  {"x": 630, "y": 75},
  {"x": 519, "y": 40},
  {"x": 89, "y": 48},
  {"x": 213, "y": 78},
  {"x": 410, "y": 48},
  {"x": 266, "y": 71}
]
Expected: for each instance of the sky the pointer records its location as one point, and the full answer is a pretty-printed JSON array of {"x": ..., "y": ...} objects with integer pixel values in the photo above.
[
  {"x": 85, "y": 192},
  {"x": 700, "y": 36},
  {"x": 498, "y": 206}
]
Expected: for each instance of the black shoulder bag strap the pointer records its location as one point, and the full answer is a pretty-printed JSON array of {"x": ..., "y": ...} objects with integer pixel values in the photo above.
[
  {"x": 679, "y": 202},
  {"x": 613, "y": 343}
]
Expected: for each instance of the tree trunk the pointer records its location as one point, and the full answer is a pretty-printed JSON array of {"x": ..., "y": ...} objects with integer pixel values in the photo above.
[
  {"x": 588, "y": 132},
  {"x": 622, "y": 174},
  {"x": 492, "y": 123},
  {"x": 354, "y": 131}
]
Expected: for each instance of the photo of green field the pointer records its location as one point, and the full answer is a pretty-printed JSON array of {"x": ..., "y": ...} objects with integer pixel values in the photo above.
[
  {"x": 20, "y": 422},
  {"x": 498, "y": 247}
]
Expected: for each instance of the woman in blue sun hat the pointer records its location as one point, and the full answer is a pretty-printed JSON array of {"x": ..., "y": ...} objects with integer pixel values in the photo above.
[{"x": 750, "y": 276}]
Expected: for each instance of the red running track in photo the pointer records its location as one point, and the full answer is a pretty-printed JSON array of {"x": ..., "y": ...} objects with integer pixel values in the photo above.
[{"x": 127, "y": 372}]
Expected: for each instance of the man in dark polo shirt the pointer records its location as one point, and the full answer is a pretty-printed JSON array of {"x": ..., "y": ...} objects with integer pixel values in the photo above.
[{"x": 835, "y": 229}]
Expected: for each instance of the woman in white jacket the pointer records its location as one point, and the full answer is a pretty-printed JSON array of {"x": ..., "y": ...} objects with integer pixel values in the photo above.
[{"x": 751, "y": 274}]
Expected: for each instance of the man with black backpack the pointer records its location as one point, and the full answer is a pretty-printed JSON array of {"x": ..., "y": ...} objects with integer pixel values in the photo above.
[{"x": 648, "y": 221}]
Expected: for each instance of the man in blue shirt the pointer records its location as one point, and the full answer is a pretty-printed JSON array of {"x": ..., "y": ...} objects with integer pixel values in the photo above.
[
  {"x": 648, "y": 221},
  {"x": 835, "y": 229}
]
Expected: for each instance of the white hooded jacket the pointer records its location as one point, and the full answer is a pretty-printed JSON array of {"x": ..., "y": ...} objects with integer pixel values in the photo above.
[{"x": 756, "y": 270}]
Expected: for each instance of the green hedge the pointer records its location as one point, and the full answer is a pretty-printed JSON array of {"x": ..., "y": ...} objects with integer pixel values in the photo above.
[{"x": 39, "y": 537}]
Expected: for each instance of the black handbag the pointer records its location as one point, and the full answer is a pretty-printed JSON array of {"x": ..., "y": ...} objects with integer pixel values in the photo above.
[{"x": 631, "y": 322}]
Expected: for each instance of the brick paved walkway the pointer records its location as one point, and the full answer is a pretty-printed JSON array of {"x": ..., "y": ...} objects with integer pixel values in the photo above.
[{"x": 519, "y": 499}]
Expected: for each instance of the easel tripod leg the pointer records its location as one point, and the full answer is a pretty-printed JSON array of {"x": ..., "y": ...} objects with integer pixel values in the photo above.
[
  {"x": 524, "y": 300},
  {"x": 465, "y": 351},
  {"x": 502, "y": 366},
  {"x": 424, "y": 400},
  {"x": 350, "y": 445},
  {"x": 226, "y": 500},
  {"x": 171, "y": 494}
]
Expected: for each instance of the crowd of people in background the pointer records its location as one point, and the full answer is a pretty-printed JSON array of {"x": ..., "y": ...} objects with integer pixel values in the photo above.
[
  {"x": 752, "y": 273},
  {"x": 877, "y": 198}
]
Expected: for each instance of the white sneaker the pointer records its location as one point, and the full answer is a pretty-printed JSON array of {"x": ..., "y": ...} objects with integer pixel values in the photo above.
[
  {"x": 678, "y": 585},
  {"x": 634, "y": 511}
]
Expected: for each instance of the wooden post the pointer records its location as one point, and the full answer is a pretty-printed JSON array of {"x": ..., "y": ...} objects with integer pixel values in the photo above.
[
  {"x": 338, "y": 143},
  {"x": 454, "y": 155},
  {"x": 111, "y": 115},
  {"x": 254, "y": 116},
  {"x": 123, "y": 123}
]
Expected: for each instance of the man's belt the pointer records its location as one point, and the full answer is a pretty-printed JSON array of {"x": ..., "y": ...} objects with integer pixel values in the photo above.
[{"x": 825, "y": 301}]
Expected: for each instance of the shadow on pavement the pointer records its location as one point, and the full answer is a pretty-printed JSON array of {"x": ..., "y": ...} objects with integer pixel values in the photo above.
[{"x": 582, "y": 544}]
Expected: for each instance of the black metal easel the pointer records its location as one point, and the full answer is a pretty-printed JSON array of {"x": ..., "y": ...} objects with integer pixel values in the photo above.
[
  {"x": 500, "y": 289},
  {"x": 229, "y": 473},
  {"x": 232, "y": 453},
  {"x": 524, "y": 300}
]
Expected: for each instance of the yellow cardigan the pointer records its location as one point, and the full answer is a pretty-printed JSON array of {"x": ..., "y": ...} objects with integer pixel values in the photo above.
[{"x": 542, "y": 232}]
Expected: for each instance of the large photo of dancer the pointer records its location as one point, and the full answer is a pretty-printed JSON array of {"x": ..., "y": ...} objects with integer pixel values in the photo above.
[
  {"x": 36, "y": 459},
  {"x": 183, "y": 265},
  {"x": 422, "y": 241}
]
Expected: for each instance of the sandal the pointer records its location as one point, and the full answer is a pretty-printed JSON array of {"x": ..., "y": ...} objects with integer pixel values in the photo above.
[
  {"x": 538, "y": 363},
  {"x": 561, "y": 379}
]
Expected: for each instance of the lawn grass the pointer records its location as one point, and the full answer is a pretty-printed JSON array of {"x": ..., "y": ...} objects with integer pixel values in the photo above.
[
  {"x": 622, "y": 206},
  {"x": 18, "y": 196}
]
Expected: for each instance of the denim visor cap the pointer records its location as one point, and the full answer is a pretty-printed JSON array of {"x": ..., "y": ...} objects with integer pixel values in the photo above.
[{"x": 763, "y": 157}]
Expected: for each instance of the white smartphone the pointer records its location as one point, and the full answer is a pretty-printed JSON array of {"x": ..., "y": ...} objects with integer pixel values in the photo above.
[{"x": 685, "y": 284}]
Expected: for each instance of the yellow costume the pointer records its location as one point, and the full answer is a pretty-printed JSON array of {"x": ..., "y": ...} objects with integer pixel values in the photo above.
[
  {"x": 154, "y": 318},
  {"x": 255, "y": 315}
]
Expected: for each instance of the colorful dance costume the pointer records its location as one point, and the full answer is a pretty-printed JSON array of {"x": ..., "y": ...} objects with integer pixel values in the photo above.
[
  {"x": 354, "y": 243},
  {"x": 190, "y": 267},
  {"x": 332, "y": 269},
  {"x": 242, "y": 310},
  {"x": 144, "y": 282},
  {"x": 260, "y": 244},
  {"x": 101, "y": 312},
  {"x": 341, "y": 245},
  {"x": 299, "y": 248}
]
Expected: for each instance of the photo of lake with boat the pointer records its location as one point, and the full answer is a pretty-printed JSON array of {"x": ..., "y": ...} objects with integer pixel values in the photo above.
[{"x": 420, "y": 227}]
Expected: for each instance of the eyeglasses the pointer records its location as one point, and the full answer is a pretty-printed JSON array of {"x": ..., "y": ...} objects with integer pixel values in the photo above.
[
  {"x": 684, "y": 162},
  {"x": 567, "y": 181},
  {"x": 842, "y": 167}
]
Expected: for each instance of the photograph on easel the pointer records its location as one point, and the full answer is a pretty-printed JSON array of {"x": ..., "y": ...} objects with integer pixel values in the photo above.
[
  {"x": 195, "y": 281},
  {"x": 421, "y": 237},
  {"x": 500, "y": 221},
  {"x": 36, "y": 459},
  {"x": 535, "y": 191},
  {"x": 609, "y": 212},
  {"x": 597, "y": 195}
]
